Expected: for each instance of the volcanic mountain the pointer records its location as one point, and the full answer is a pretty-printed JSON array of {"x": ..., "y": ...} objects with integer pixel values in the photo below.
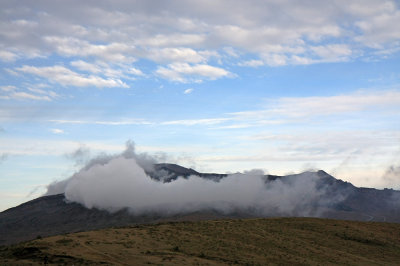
[{"x": 54, "y": 214}]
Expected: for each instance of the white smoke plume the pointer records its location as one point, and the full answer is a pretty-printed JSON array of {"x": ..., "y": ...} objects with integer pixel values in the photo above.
[
  {"x": 80, "y": 156},
  {"x": 121, "y": 181}
]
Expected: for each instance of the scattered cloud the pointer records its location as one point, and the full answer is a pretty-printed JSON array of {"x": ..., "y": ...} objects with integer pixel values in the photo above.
[
  {"x": 180, "y": 33},
  {"x": 111, "y": 123},
  {"x": 186, "y": 55},
  {"x": 111, "y": 71},
  {"x": 186, "y": 40},
  {"x": 28, "y": 96},
  {"x": 188, "y": 91},
  {"x": 67, "y": 77},
  {"x": 380, "y": 29},
  {"x": 134, "y": 71},
  {"x": 69, "y": 46},
  {"x": 7, "y": 56},
  {"x": 210, "y": 121},
  {"x": 29, "y": 93},
  {"x": 57, "y": 131},
  {"x": 273, "y": 59},
  {"x": 8, "y": 88},
  {"x": 85, "y": 66},
  {"x": 288, "y": 110},
  {"x": 333, "y": 52},
  {"x": 230, "y": 51},
  {"x": 295, "y": 107},
  {"x": 183, "y": 72},
  {"x": 251, "y": 63},
  {"x": 172, "y": 40}
]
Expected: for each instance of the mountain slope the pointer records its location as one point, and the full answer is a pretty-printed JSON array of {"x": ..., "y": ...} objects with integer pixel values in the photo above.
[
  {"x": 52, "y": 215},
  {"x": 277, "y": 241}
]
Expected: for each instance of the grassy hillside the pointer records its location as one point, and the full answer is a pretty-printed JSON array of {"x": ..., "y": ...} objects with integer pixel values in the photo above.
[{"x": 221, "y": 242}]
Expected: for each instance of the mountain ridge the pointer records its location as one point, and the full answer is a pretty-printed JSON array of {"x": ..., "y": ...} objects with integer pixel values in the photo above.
[{"x": 54, "y": 214}]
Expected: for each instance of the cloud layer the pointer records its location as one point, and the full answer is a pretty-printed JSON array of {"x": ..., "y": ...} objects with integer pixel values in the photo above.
[{"x": 191, "y": 41}]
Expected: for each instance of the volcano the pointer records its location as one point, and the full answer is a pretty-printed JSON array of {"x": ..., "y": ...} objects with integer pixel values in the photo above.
[{"x": 54, "y": 214}]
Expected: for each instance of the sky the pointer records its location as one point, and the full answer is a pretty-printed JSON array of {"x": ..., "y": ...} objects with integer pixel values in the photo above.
[{"x": 219, "y": 86}]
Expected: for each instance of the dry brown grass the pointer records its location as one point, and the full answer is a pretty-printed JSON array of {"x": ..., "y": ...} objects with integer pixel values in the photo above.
[{"x": 277, "y": 241}]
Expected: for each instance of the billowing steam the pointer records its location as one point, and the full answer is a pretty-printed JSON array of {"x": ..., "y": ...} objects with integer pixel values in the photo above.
[{"x": 122, "y": 181}]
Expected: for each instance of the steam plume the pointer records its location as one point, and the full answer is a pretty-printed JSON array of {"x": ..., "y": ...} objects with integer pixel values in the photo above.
[{"x": 114, "y": 182}]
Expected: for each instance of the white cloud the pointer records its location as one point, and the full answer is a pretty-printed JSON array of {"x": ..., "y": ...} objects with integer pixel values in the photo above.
[
  {"x": 303, "y": 60},
  {"x": 193, "y": 32},
  {"x": 8, "y": 88},
  {"x": 115, "y": 71},
  {"x": 85, "y": 66},
  {"x": 380, "y": 30},
  {"x": 36, "y": 90},
  {"x": 49, "y": 93},
  {"x": 57, "y": 131},
  {"x": 134, "y": 71},
  {"x": 290, "y": 109},
  {"x": 7, "y": 56},
  {"x": 194, "y": 122},
  {"x": 279, "y": 55},
  {"x": 29, "y": 93},
  {"x": 69, "y": 46},
  {"x": 25, "y": 95},
  {"x": 111, "y": 123},
  {"x": 275, "y": 59},
  {"x": 294, "y": 110},
  {"x": 236, "y": 126},
  {"x": 176, "y": 55},
  {"x": 14, "y": 93},
  {"x": 297, "y": 107},
  {"x": 326, "y": 105},
  {"x": 168, "y": 40},
  {"x": 231, "y": 52},
  {"x": 183, "y": 72},
  {"x": 67, "y": 77},
  {"x": 251, "y": 63},
  {"x": 332, "y": 52},
  {"x": 188, "y": 91}
]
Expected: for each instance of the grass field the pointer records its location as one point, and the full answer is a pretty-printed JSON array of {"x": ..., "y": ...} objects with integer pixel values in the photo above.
[{"x": 276, "y": 241}]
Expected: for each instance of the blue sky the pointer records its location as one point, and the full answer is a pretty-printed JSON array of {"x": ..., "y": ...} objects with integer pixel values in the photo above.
[{"x": 220, "y": 86}]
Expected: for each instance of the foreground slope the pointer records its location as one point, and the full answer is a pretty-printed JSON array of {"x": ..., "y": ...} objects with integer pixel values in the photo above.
[{"x": 220, "y": 242}]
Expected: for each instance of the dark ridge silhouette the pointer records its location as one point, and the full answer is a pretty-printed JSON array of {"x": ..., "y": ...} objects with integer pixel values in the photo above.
[{"x": 168, "y": 172}]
